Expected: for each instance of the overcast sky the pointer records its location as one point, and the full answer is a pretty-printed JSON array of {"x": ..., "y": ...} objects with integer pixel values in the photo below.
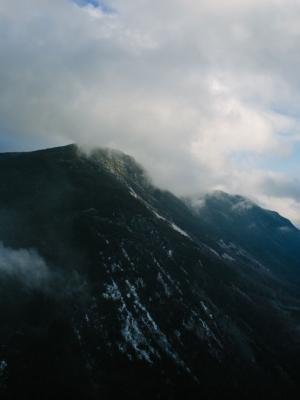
[{"x": 204, "y": 93}]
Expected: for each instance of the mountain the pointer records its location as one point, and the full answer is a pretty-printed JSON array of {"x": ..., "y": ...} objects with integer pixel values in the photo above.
[
  {"x": 266, "y": 235},
  {"x": 113, "y": 288}
]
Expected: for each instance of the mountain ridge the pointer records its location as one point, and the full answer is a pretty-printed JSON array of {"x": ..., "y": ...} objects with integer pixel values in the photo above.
[{"x": 138, "y": 294}]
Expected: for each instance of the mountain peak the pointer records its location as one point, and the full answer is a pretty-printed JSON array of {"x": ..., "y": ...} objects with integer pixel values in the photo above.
[{"x": 109, "y": 279}]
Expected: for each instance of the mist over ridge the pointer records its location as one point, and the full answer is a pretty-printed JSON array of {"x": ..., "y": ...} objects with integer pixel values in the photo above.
[{"x": 203, "y": 94}]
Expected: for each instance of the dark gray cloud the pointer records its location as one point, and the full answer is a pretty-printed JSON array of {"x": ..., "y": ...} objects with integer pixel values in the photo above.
[{"x": 187, "y": 87}]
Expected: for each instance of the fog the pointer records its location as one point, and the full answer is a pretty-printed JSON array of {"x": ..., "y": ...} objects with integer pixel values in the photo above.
[{"x": 23, "y": 265}]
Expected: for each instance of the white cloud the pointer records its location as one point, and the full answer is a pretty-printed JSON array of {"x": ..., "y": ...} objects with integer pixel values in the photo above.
[
  {"x": 286, "y": 206},
  {"x": 187, "y": 87},
  {"x": 24, "y": 265}
]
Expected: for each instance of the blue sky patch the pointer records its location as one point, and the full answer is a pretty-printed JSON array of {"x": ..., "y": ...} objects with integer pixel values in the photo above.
[{"x": 95, "y": 3}]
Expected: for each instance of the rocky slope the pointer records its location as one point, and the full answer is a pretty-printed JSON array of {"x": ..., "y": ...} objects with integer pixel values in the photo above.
[{"x": 112, "y": 287}]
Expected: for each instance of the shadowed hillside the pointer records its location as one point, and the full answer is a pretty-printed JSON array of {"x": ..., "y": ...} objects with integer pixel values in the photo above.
[{"x": 112, "y": 287}]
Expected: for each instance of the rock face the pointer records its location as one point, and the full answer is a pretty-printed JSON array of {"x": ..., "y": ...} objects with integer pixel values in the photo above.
[{"x": 112, "y": 287}]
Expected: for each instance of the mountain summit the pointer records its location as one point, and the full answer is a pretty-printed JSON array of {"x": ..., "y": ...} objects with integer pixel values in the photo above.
[{"x": 112, "y": 287}]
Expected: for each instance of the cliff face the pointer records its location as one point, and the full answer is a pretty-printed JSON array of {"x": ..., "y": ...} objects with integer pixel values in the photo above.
[{"x": 110, "y": 286}]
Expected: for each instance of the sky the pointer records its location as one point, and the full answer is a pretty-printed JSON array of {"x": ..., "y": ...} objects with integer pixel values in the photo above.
[{"x": 203, "y": 93}]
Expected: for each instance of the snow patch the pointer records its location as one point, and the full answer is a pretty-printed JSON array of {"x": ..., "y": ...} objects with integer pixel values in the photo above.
[
  {"x": 131, "y": 330},
  {"x": 164, "y": 284},
  {"x": 167, "y": 276},
  {"x": 181, "y": 231},
  {"x": 227, "y": 257},
  {"x": 172, "y": 225},
  {"x": 112, "y": 292},
  {"x": 125, "y": 254},
  {"x": 133, "y": 193}
]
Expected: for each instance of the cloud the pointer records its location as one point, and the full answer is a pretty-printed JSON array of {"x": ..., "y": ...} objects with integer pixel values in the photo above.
[
  {"x": 198, "y": 91},
  {"x": 24, "y": 265},
  {"x": 31, "y": 271}
]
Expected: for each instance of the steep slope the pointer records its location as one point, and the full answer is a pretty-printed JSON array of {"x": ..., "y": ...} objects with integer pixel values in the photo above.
[
  {"x": 272, "y": 239},
  {"x": 113, "y": 287}
]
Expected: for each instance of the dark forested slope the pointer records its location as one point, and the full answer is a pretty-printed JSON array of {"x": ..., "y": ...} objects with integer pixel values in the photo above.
[{"x": 110, "y": 286}]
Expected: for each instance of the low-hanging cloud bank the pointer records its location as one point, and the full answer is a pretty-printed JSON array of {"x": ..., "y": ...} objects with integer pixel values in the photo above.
[
  {"x": 25, "y": 266},
  {"x": 204, "y": 93},
  {"x": 31, "y": 271}
]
